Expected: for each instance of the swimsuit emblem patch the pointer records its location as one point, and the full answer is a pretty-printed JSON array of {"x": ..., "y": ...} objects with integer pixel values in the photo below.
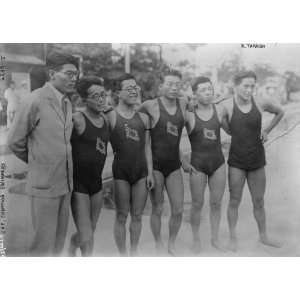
[
  {"x": 172, "y": 129},
  {"x": 209, "y": 134},
  {"x": 100, "y": 146},
  {"x": 131, "y": 133}
]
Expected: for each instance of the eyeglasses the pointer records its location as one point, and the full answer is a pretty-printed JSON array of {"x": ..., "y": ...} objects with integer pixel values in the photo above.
[
  {"x": 203, "y": 90},
  {"x": 131, "y": 89},
  {"x": 71, "y": 74},
  {"x": 171, "y": 84},
  {"x": 98, "y": 96}
]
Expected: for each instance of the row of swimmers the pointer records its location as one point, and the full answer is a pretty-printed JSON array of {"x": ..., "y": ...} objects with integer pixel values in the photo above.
[{"x": 148, "y": 159}]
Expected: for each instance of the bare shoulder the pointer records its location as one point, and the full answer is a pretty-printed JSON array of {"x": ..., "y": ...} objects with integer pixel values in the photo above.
[
  {"x": 110, "y": 117},
  {"x": 144, "y": 117},
  {"x": 150, "y": 104},
  {"x": 227, "y": 103},
  {"x": 78, "y": 119},
  {"x": 183, "y": 101},
  {"x": 268, "y": 105},
  {"x": 189, "y": 116},
  {"x": 221, "y": 110},
  {"x": 77, "y": 116},
  {"x": 110, "y": 114}
]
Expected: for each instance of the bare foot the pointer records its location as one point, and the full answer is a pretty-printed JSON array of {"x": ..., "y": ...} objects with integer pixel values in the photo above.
[
  {"x": 216, "y": 244},
  {"x": 123, "y": 253},
  {"x": 232, "y": 244},
  {"x": 172, "y": 249},
  {"x": 160, "y": 248},
  {"x": 72, "y": 247},
  {"x": 134, "y": 253},
  {"x": 266, "y": 241},
  {"x": 196, "y": 247}
]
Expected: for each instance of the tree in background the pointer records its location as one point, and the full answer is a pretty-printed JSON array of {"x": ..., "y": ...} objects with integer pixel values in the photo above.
[
  {"x": 264, "y": 71},
  {"x": 230, "y": 67},
  {"x": 97, "y": 58},
  {"x": 292, "y": 84},
  {"x": 104, "y": 61}
]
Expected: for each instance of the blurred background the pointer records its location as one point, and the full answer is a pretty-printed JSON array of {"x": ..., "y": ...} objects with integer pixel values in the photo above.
[
  {"x": 22, "y": 69},
  {"x": 276, "y": 65}
]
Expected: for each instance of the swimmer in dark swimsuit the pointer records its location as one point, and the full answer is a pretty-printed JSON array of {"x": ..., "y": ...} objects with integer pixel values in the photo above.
[
  {"x": 89, "y": 143},
  {"x": 132, "y": 165},
  {"x": 247, "y": 156},
  {"x": 207, "y": 159},
  {"x": 167, "y": 115}
]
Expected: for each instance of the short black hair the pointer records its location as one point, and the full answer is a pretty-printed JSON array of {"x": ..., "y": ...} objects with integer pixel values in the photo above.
[
  {"x": 117, "y": 86},
  {"x": 85, "y": 82},
  {"x": 56, "y": 60},
  {"x": 199, "y": 80},
  {"x": 38, "y": 77},
  {"x": 237, "y": 79},
  {"x": 170, "y": 72}
]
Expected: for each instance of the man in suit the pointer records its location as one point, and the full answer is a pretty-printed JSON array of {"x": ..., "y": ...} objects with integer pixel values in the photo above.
[{"x": 40, "y": 136}]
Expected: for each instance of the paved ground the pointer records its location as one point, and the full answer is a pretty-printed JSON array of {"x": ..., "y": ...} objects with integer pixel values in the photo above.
[{"x": 282, "y": 206}]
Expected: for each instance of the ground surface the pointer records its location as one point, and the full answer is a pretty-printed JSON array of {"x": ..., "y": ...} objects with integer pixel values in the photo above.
[{"x": 282, "y": 207}]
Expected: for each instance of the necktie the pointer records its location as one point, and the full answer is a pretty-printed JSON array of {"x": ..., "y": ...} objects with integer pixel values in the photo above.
[{"x": 64, "y": 105}]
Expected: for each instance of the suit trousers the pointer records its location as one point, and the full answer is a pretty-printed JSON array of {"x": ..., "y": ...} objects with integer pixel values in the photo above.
[{"x": 50, "y": 218}]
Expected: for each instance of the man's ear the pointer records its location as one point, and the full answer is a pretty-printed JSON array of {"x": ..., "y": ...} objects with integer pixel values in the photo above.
[
  {"x": 160, "y": 86},
  {"x": 51, "y": 73}
]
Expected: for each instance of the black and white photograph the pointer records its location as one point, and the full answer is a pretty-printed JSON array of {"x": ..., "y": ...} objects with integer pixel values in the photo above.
[{"x": 150, "y": 149}]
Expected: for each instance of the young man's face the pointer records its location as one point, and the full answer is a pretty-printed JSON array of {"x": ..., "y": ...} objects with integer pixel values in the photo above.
[
  {"x": 246, "y": 88},
  {"x": 96, "y": 98},
  {"x": 171, "y": 86},
  {"x": 64, "y": 79},
  {"x": 129, "y": 92},
  {"x": 204, "y": 93}
]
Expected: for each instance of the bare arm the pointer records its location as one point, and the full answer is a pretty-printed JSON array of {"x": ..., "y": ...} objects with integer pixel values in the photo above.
[
  {"x": 273, "y": 109},
  {"x": 223, "y": 117},
  {"x": 278, "y": 112},
  {"x": 110, "y": 117},
  {"x": 184, "y": 158},
  {"x": 79, "y": 123},
  {"x": 148, "y": 154},
  {"x": 144, "y": 107}
]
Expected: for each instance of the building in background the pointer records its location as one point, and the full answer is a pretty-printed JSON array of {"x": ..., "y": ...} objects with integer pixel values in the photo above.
[{"x": 19, "y": 60}]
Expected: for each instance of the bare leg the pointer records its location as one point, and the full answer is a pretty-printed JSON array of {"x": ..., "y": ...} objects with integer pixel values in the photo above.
[
  {"x": 174, "y": 185},
  {"x": 237, "y": 179},
  {"x": 74, "y": 241},
  {"x": 157, "y": 198},
  {"x": 74, "y": 244},
  {"x": 257, "y": 185},
  {"x": 197, "y": 184},
  {"x": 81, "y": 210},
  {"x": 96, "y": 206},
  {"x": 138, "y": 202},
  {"x": 122, "y": 198},
  {"x": 216, "y": 183}
]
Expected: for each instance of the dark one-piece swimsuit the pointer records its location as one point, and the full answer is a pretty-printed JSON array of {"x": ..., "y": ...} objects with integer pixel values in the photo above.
[
  {"x": 207, "y": 155},
  {"x": 89, "y": 152},
  {"x": 165, "y": 139},
  {"x": 246, "y": 151},
  {"x": 128, "y": 143}
]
